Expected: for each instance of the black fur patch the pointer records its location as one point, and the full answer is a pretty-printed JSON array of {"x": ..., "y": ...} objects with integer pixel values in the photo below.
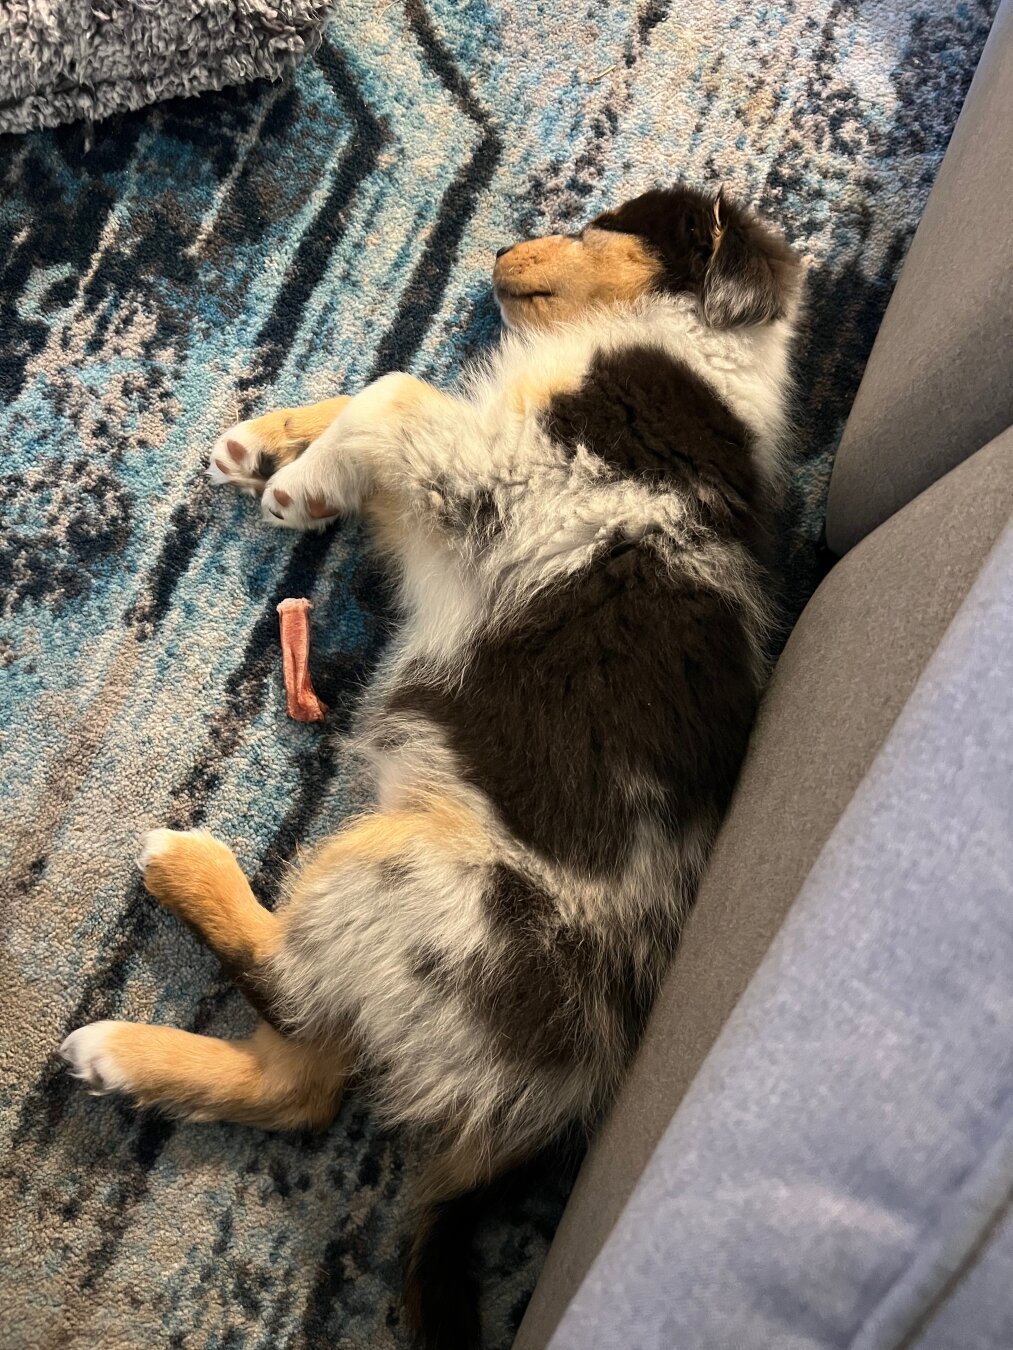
[
  {"x": 740, "y": 270},
  {"x": 649, "y": 416},
  {"x": 395, "y": 874},
  {"x": 474, "y": 513},
  {"x": 441, "y": 1289},
  {"x": 553, "y": 992},
  {"x": 266, "y": 464},
  {"x": 676, "y": 225},
  {"x": 625, "y": 693}
]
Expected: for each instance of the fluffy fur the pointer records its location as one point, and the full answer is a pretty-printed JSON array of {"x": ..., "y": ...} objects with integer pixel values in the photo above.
[{"x": 579, "y": 534}]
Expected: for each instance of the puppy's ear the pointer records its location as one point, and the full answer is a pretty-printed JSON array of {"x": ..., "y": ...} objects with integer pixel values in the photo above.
[{"x": 752, "y": 275}]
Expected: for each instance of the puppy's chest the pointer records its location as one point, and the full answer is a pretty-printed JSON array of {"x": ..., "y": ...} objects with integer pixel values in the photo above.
[
  {"x": 491, "y": 539},
  {"x": 442, "y": 595}
]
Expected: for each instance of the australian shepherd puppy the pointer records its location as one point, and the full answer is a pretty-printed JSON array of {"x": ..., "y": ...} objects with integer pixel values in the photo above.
[{"x": 578, "y": 534}]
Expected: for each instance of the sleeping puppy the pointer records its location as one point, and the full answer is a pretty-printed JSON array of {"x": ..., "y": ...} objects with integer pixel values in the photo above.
[{"x": 578, "y": 533}]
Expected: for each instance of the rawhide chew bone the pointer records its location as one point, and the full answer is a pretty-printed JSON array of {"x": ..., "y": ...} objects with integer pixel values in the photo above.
[{"x": 303, "y": 704}]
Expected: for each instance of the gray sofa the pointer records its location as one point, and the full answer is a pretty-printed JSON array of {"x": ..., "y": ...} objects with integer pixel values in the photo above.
[{"x": 814, "y": 1146}]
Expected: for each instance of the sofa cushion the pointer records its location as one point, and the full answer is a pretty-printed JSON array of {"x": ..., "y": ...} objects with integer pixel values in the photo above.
[
  {"x": 842, "y": 680},
  {"x": 937, "y": 385},
  {"x": 845, "y": 1153}
]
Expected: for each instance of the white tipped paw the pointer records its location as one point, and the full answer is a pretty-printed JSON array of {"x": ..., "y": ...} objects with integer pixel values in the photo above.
[
  {"x": 240, "y": 459},
  {"x": 157, "y": 843},
  {"x": 87, "y": 1055},
  {"x": 288, "y": 502}
]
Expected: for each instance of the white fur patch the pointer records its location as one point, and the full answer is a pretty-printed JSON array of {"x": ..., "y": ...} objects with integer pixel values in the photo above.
[
  {"x": 224, "y": 468},
  {"x": 88, "y": 1057},
  {"x": 156, "y": 843}
]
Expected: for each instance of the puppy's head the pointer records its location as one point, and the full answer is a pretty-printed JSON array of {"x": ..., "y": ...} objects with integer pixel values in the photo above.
[{"x": 670, "y": 240}]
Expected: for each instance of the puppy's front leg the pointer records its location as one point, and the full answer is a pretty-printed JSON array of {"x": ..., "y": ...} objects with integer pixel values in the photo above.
[
  {"x": 248, "y": 454},
  {"x": 392, "y": 439}
]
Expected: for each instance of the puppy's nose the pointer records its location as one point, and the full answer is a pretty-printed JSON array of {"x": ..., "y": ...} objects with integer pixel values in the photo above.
[{"x": 501, "y": 251}]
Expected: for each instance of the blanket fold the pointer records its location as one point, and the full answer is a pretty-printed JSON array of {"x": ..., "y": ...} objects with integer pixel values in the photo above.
[{"x": 61, "y": 60}]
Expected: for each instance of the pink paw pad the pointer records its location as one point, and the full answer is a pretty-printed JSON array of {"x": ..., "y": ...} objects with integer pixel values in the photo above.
[{"x": 318, "y": 509}]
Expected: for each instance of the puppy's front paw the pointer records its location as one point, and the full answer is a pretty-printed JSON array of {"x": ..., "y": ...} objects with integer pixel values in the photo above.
[
  {"x": 289, "y": 501},
  {"x": 241, "y": 458},
  {"x": 89, "y": 1055}
]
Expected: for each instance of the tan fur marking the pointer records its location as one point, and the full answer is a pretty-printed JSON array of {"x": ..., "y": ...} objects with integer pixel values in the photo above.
[
  {"x": 268, "y": 1080},
  {"x": 287, "y": 431},
  {"x": 533, "y": 390},
  {"x": 375, "y": 838},
  {"x": 718, "y": 229},
  {"x": 199, "y": 880},
  {"x": 621, "y": 265},
  {"x": 601, "y": 268}
]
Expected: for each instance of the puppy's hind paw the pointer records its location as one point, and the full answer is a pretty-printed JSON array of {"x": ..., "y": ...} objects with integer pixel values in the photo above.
[{"x": 88, "y": 1056}]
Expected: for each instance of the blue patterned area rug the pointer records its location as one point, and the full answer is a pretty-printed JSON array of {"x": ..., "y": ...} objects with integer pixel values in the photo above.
[{"x": 211, "y": 258}]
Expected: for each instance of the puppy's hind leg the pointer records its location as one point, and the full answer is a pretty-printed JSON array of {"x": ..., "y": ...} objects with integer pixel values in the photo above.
[
  {"x": 199, "y": 880},
  {"x": 269, "y": 1080}
]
